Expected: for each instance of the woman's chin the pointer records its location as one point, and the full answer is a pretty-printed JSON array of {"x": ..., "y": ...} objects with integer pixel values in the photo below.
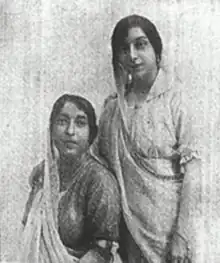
[
  {"x": 139, "y": 75},
  {"x": 71, "y": 154}
]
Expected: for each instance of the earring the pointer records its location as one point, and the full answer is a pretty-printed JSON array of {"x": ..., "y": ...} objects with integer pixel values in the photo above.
[{"x": 157, "y": 61}]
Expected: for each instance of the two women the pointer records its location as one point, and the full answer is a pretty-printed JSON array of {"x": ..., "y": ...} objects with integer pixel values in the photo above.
[
  {"x": 73, "y": 211},
  {"x": 146, "y": 139}
]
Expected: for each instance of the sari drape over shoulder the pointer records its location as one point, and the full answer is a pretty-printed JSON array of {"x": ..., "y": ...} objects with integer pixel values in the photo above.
[
  {"x": 64, "y": 226},
  {"x": 41, "y": 240},
  {"x": 145, "y": 148}
]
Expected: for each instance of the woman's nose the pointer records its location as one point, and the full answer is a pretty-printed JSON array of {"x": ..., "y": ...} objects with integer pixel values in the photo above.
[
  {"x": 71, "y": 128},
  {"x": 133, "y": 53}
]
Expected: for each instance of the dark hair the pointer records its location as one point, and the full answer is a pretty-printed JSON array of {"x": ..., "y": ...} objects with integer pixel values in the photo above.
[
  {"x": 121, "y": 31},
  {"x": 82, "y": 104}
]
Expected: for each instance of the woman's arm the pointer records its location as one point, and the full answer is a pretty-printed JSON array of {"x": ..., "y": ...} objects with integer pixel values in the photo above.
[
  {"x": 185, "y": 235},
  {"x": 185, "y": 241},
  {"x": 103, "y": 217}
]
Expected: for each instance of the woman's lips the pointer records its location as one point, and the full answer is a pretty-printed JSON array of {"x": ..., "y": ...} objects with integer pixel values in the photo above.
[
  {"x": 134, "y": 68},
  {"x": 70, "y": 144}
]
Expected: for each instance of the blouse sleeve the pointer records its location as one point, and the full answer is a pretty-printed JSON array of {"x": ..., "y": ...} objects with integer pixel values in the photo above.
[
  {"x": 103, "y": 207},
  {"x": 187, "y": 132},
  {"x": 103, "y": 215}
]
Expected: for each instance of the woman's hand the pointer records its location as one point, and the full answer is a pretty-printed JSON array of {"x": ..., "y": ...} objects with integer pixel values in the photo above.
[
  {"x": 122, "y": 77},
  {"x": 179, "y": 250}
]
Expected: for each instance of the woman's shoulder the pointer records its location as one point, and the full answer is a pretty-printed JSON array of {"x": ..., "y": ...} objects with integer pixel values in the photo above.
[
  {"x": 108, "y": 108},
  {"x": 99, "y": 173},
  {"x": 176, "y": 94}
]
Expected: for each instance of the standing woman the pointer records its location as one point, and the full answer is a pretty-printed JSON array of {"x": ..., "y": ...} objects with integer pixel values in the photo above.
[
  {"x": 146, "y": 138},
  {"x": 73, "y": 210}
]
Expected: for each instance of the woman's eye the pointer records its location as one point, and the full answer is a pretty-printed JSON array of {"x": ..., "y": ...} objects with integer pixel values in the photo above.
[
  {"x": 62, "y": 122},
  {"x": 81, "y": 123},
  {"x": 141, "y": 44}
]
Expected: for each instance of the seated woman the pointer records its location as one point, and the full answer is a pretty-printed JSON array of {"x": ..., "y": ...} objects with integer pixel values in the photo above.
[{"x": 73, "y": 210}]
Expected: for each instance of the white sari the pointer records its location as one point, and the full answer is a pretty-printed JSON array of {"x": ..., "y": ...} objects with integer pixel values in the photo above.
[{"x": 41, "y": 242}]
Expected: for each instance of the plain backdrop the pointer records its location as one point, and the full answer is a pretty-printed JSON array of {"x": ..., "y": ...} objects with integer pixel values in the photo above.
[{"x": 51, "y": 47}]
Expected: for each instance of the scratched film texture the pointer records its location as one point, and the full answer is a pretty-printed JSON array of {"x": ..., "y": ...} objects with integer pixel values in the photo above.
[{"x": 51, "y": 47}]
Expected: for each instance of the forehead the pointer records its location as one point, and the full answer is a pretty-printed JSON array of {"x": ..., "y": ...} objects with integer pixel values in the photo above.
[
  {"x": 71, "y": 110},
  {"x": 135, "y": 33}
]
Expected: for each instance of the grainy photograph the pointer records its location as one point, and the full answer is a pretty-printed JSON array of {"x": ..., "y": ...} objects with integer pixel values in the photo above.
[{"x": 110, "y": 131}]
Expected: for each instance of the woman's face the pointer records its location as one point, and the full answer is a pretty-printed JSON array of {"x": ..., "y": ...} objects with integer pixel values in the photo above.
[
  {"x": 137, "y": 55},
  {"x": 70, "y": 131}
]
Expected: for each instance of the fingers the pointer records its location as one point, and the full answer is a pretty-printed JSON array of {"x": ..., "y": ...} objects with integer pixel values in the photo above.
[
  {"x": 120, "y": 70},
  {"x": 122, "y": 76},
  {"x": 120, "y": 67}
]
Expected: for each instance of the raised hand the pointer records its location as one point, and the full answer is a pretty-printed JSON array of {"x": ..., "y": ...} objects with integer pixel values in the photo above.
[{"x": 122, "y": 78}]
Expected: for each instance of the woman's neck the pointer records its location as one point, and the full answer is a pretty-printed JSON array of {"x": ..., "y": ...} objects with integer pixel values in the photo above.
[
  {"x": 138, "y": 90},
  {"x": 67, "y": 166}
]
